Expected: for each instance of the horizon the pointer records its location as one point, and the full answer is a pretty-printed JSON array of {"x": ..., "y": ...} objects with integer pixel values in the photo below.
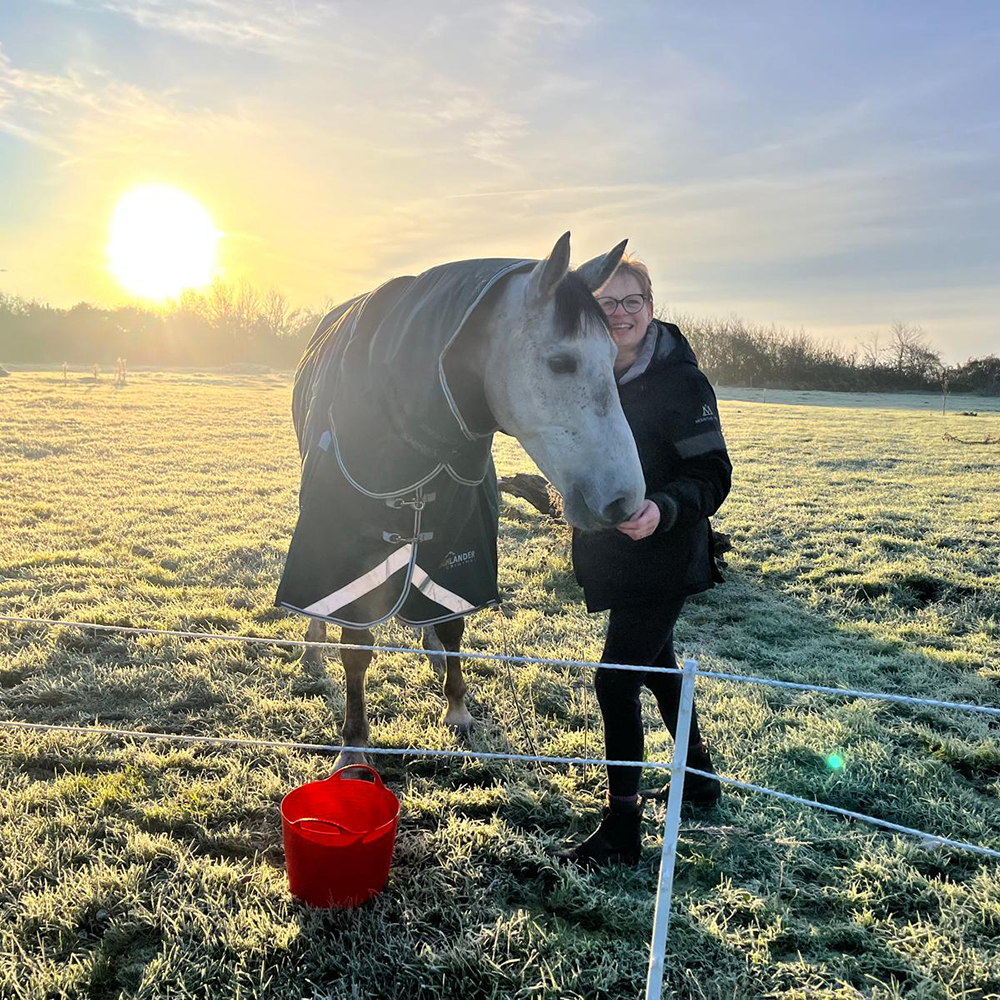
[{"x": 834, "y": 172}]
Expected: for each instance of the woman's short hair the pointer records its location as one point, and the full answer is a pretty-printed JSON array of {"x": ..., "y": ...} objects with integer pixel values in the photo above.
[{"x": 632, "y": 265}]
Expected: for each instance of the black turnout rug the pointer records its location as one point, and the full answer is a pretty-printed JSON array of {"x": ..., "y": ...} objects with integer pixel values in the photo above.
[{"x": 398, "y": 505}]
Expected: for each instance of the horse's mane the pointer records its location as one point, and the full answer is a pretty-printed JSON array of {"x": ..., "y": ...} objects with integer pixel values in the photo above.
[{"x": 575, "y": 305}]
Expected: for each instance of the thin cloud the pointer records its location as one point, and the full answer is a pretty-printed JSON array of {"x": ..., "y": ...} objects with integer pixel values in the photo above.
[
  {"x": 32, "y": 137},
  {"x": 87, "y": 112},
  {"x": 575, "y": 189},
  {"x": 278, "y": 29}
]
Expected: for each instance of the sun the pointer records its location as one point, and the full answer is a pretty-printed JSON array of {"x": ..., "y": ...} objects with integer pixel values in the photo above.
[{"x": 161, "y": 242}]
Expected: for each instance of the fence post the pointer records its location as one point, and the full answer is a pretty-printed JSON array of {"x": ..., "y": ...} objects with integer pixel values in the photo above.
[{"x": 668, "y": 854}]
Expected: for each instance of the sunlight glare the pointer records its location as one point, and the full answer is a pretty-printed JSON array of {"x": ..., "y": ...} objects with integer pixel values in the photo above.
[{"x": 161, "y": 242}]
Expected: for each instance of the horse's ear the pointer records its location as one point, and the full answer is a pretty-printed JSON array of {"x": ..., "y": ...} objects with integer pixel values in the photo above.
[
  {"x": 549, "y": 272},
  {"x": 595, "y": 272}
]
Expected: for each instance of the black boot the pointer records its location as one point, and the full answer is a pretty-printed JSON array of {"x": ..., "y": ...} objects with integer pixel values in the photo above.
[
  {"x": 618, "y": 840},
  {"x": 700, "y": 792}
]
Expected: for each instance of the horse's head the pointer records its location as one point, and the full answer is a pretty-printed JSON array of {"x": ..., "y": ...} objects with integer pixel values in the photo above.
[{"x": 549, "y": 381}]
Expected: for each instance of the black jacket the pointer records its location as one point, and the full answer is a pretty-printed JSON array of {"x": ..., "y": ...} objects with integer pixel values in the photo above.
[{"x": 674, "y": 417}]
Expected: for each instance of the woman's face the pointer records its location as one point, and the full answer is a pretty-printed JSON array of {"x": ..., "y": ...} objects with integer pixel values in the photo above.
[{"x": 627, "y": 329}]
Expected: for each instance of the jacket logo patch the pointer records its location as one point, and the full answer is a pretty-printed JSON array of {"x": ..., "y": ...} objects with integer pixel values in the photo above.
[
  {"x": 453, "y": 559},
  {"x": 706, "y": 411}
]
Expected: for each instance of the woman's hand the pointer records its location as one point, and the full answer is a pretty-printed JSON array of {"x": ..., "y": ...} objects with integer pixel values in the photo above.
[{"x": 643, "y": 522}]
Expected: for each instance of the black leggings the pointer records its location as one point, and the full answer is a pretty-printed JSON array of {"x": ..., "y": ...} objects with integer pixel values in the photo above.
[{"x": 642, "y": 635}]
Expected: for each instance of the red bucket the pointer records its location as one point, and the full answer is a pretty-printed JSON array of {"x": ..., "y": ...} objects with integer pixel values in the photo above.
[{"x": 339, "y": 837}]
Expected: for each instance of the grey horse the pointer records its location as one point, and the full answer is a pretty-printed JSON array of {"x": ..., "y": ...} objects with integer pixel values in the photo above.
[{"x": 396, "y": 402}]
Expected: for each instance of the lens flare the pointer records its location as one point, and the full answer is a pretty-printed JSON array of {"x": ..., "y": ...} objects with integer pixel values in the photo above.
[
  {"x": 835, "y": 762},
  {"x": 161, "y": 242}
]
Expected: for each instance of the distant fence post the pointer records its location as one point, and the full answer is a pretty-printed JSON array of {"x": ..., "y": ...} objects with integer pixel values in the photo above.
[{"x": 671, "y": 827}]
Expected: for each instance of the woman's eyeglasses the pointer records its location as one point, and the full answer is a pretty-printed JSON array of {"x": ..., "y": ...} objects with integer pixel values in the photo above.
[{"x": 631, "y": 304}]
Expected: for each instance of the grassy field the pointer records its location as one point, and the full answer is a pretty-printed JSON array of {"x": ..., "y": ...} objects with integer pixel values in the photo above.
[{"x": 866, "y": 555}]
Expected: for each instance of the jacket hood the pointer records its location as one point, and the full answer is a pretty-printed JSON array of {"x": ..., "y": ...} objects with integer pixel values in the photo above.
[{"x": 673, "y": 347}]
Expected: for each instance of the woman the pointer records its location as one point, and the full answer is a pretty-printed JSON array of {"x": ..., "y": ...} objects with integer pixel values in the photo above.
[{"x": 644, "y": 569}]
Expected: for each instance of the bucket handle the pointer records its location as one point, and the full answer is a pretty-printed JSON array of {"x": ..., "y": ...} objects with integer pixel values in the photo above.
[
  {"x": 339, "y": 773},
  {"x": 325, "y": 822}
]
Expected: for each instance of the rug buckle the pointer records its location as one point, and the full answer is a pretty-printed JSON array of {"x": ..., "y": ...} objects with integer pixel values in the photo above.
[
  {"x": 395, "y": 538},
  {"x": 417, "y": 503}
]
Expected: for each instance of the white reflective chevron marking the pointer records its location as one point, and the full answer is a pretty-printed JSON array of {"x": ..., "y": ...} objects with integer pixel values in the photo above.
[
  {"x": 364, "y": 584},
  {"x": 438, "y": 594}
]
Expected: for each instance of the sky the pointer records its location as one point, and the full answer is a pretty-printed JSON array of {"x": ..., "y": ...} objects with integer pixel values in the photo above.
[{"x": 832, "y": 167}]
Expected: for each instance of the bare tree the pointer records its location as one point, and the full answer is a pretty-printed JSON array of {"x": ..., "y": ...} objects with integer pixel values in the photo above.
[
  {"x": 278, "y": 318},
  {"x": 871, "y": 350},
  {"x": 246, "y": 308},
  {"x": 907, "y": 344},
  {"x": 234, "y": 310},
  {"x": 220, "y": 306}
]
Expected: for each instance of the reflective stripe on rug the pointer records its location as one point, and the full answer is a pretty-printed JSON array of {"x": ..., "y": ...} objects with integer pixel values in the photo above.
[
  {"x": 438, "y": 594},
  {"x": 364, "y": 584}
]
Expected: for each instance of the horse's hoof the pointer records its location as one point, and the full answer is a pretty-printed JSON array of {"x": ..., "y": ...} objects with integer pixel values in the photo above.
[
  {"x": 459, "y": 721},
  {"x": 463, "y": 735},
  {"x": 353, "y": 757}
]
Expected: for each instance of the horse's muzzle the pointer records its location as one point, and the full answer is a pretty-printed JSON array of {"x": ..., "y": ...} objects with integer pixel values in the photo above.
[{"x": 583, "y": 515}]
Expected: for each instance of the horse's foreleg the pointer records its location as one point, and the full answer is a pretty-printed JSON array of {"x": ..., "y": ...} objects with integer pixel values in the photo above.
[
  {"x": 456, "y": 715},
  {"x": 313, "y": 657},
  {"x": 355, "y": 661}
]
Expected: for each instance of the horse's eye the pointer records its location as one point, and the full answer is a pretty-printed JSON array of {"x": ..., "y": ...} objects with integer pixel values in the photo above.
[{"x": 563, "y": 364}]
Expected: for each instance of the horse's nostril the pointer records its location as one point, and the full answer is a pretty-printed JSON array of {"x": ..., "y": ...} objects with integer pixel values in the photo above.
[{"x": 616, "y": 511}]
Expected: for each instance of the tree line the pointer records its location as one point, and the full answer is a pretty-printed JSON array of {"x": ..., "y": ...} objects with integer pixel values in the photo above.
[
  {"x": 734, "y": 352},
  {"x": 238, "y": 323},
  {"x": 230, "y": 322}
]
